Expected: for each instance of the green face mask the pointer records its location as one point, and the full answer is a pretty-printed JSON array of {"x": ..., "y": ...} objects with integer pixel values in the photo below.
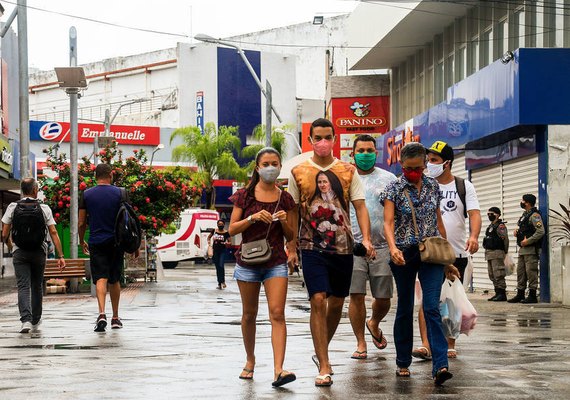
[{"x": 365, "y": 161}]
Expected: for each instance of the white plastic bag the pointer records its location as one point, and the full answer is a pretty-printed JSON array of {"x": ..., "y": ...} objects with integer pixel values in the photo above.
[
  {"x": 510, "y": 266},
  {"x": 468, "y": 274},
  {"x": 457, "y": 313}
]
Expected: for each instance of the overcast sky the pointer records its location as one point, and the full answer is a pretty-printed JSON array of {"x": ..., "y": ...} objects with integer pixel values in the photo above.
[{"x": 177, "y": 20}]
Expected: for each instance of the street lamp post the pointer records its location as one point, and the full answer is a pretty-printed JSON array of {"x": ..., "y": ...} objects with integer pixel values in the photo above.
[
  {"x": 72, "y": 80},
  {"x": 160, "y": 146},
  {"x": 267, "y": 93},
  {"x": 293, "y": 136},
  {"x": 108, "y": 122}
]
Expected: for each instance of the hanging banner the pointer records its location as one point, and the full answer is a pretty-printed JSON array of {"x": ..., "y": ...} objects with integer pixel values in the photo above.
[
  {"x": 123, "y": 134},
  {"x": 200, "y": 111}
]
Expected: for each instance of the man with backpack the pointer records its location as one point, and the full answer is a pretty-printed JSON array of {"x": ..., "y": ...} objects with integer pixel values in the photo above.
[
  {"x": 459, "y": 202},
  {"x": 28, "y": 221},
  {"x": 101, "y": 205}
]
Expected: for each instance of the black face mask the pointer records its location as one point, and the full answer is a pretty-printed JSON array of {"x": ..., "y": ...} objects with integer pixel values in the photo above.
[
  {"x": 220, "y": 227},
  {"x": 491, "y": 217},
  {"x": 523, "y": 205}
]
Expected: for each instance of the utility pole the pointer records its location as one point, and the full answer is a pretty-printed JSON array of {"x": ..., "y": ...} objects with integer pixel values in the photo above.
[
  {"x": 24, "y": 102},
  {"x": 268, "y": 99},
  {"x": 74, "y": 175}
]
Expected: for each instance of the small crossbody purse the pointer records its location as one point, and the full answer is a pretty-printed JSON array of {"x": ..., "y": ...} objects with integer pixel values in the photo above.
[
  {"x": 434, "y": 250},
  {"x": 258, "y": 251}
]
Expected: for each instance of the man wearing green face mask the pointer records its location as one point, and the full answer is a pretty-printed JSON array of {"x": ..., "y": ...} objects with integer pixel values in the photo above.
[{"x": 377, "y": 270}]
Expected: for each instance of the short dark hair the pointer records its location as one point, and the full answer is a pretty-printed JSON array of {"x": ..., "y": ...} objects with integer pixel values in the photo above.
[
  {"x": 28, "y": 185},
  {"x": 322, "y": 123},
  {"x": 363, "y": 138},
  {"x": 495, "y": 210},
  {"x": 412, "y": 150},
  {"x": 530, "y": 198},
  {"x": 103, "y": 171}
]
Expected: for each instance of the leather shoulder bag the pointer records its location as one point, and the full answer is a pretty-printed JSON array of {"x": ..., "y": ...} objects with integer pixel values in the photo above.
[
  {"x": 434, "y": 250},
  {"x": 258, "y": 251}
]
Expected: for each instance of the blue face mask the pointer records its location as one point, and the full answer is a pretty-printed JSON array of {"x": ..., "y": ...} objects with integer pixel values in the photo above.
[{"x": 365, "y": 161}]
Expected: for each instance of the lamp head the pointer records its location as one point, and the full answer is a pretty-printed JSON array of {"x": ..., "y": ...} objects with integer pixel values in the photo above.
[
  {"x": 206, "y": 38},
  {"x": 160, "y": 146},
  {"x": 507, "y": 57}
]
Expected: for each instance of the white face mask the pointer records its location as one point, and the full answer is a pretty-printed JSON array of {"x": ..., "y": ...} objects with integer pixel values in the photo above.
[
  {"x": 269, "y": 174},
  {"x": 434, "y": 170}
]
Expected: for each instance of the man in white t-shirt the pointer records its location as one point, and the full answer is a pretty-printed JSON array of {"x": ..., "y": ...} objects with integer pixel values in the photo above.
[{"x": 459, "y": 203}]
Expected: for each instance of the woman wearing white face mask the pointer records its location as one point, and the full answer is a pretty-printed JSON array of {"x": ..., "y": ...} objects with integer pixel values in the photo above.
[{"x": 261, "y": 210}]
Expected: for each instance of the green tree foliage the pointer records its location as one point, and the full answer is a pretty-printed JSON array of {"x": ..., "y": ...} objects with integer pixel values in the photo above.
[
  {"x": 258, "y": 138},
  {"x": 158, "y": 197},
  {"x": 213, "y": 152}
]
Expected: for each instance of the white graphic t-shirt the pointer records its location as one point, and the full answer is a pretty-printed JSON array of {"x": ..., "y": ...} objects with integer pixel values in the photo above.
[
  {"x": 452, "y": 213},
  {"x": 374, "y": 184}
]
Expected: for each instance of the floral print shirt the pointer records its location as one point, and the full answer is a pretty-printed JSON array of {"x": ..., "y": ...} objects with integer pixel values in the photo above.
[{"x": 426, "y": 204}]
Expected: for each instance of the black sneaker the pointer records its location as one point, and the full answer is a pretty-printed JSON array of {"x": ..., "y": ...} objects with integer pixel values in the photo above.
[
  {"x": 116, "y": 323},
  {"x": 101, "y": 323}
]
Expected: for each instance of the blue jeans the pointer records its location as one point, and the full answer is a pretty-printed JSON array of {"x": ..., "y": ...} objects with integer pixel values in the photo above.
[
  {"x": 431, "y": 277},
  {"x": 219, "y": 258}
]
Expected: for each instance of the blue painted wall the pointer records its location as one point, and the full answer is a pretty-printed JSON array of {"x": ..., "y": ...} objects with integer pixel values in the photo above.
[{"x": 239, "y": 97}]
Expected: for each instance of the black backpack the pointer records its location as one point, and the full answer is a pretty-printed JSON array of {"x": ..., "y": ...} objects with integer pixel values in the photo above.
[
  {"x": 128, "y": 233},
  {"x": 28, "y": 225}
]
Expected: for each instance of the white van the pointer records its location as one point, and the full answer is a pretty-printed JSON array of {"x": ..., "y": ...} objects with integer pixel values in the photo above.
[{"x": 190, "y": 241}]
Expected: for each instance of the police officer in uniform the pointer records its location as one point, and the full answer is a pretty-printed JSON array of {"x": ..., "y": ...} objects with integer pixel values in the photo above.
[
  {"x": 529, "y": 237},
  {"x": 496, "y": 244}
]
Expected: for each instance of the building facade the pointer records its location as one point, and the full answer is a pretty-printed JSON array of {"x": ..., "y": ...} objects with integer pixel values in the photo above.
[{"x": 489, "y": 78}]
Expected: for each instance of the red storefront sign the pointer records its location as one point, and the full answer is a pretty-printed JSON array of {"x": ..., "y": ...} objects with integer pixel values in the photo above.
[
  {"x": 123, "y": 134},
  {"x": 353, "y": 116}
]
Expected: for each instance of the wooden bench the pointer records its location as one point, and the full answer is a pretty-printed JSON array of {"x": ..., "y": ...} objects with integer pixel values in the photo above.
[{"x": 74, "y": 269}]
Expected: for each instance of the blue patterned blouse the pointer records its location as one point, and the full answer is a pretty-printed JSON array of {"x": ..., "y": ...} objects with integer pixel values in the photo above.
[{"x": 426, "y": 205}]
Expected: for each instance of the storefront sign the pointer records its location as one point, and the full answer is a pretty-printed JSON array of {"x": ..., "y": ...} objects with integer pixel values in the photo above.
[
  {"x": 200, "y": 111},
  {"x": 353, "y": 116},
  {"x": 123, "y": 134},
  {"x": 6, "y": 156}
]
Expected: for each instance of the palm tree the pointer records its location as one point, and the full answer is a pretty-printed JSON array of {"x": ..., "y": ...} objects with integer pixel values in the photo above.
[
  {"x": 258, "y": 136},
  {"x": 213, "y": 153}
]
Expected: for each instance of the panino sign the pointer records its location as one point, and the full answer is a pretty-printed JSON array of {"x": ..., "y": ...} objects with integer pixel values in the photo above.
[{"x": 123, "y": 134}]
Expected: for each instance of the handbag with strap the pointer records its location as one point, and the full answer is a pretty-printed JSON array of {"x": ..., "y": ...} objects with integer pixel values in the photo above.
[
  {"x": 434, "y": 250},
  {"x": 258, "y": 251}
]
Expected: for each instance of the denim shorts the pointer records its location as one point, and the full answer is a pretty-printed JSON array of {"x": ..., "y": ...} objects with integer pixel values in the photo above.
[{"x": 251, "y": 274}]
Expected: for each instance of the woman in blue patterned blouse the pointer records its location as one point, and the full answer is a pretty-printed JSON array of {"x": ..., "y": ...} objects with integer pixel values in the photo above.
[{"x": 406, "y": 262}]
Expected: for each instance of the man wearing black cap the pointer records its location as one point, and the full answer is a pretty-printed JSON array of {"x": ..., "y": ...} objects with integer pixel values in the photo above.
[
  {"x": 496, "y": 244},
  {"x": 529, "y": 237},
  {"x": 459, "y": 203}
]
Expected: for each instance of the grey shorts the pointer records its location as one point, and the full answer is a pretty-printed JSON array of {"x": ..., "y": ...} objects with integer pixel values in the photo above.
[{"x": 376, "y": 271}]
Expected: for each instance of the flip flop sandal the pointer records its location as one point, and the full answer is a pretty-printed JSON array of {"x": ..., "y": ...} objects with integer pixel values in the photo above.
[
  {"x": 441, "y": 376},
  {"x": 403, "y": 372},
  {"x": 359, "y": 355},
  {"x": 379, "y": 342},
  {"x": 422, "y": 353},
  {"x": 451, "y": 353},
  {"x": 316, "y": 361},
  {"x": 325, "y": 379},
  {"x": 283, "y": 378},
  {"x": 246, "y": 376}
]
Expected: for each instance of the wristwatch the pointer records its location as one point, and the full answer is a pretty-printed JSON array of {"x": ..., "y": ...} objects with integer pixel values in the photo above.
[{"x": 250, "y": 220}]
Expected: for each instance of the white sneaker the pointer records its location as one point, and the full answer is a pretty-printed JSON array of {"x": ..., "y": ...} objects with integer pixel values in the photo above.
[
  {"x": 26, "y": 327},
  {"x": 36, "y": 327}
]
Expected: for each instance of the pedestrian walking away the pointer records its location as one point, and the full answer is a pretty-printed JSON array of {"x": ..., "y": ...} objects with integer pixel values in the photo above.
[
  {"x": 29, "y": 222},
  {"x": 529, "y": 234},
  {"x": 220, "y": 240},
  {"x": 323, "y": 187},
  {"x": 263, "y": 212},
  {"x": 376, "y": 272},
  {"x": 459, "y": 203},
  {"x": 100, "y": 205},
  {"x": 496, "y": 244},
  {"x": 413, "y": 192}
]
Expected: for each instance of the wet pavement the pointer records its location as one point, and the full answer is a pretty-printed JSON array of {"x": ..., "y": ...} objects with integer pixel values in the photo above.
[{"x": 182, "y": 340}]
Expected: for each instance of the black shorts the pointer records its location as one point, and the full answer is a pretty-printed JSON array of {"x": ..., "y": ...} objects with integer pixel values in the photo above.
[
  {"x": 106, "y": 261},
  {"x": 328, "y": 273}
]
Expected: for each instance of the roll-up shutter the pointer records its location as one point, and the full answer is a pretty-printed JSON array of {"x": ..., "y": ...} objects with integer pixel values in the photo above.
[
  {"x": 458, "y": 168},
  {"x": 502, "y": 186}
]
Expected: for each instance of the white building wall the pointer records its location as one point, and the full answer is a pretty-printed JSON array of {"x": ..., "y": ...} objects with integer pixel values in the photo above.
[{"x": 311, "y": 67}]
